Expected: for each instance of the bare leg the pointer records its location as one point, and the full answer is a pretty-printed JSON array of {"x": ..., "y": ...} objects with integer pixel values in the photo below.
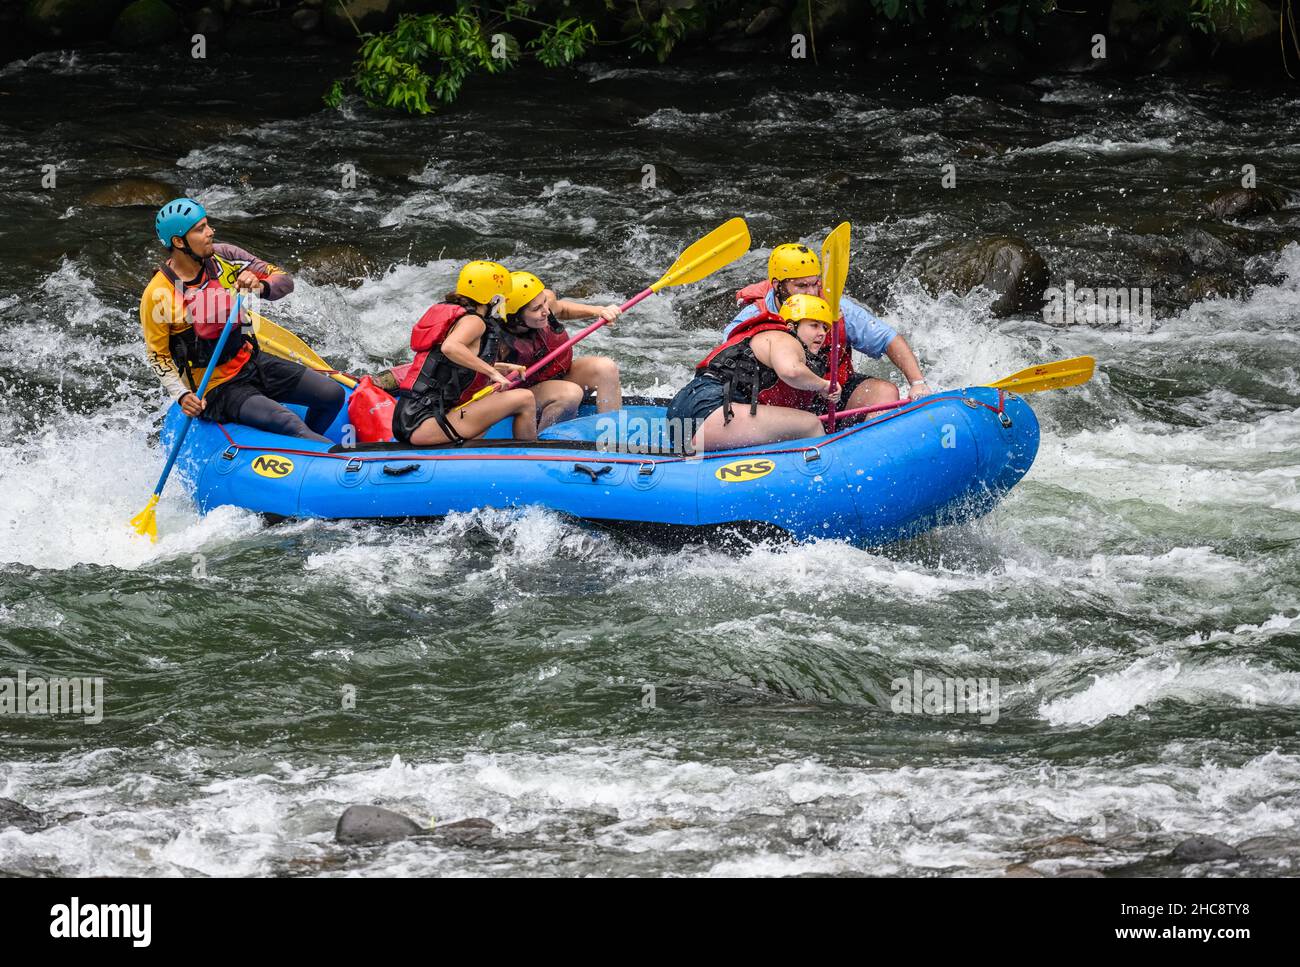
[
  {"x": 871, "y": 392},
  {"x": 772, "y": 424},
  {"x": 475, "y": 419},
  {"x": 599, "y": 373},
  {"x": 557, "y": 399}
]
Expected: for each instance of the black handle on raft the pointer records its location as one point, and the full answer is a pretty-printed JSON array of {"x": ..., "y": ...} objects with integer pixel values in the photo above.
[
  {"x": 593, "y": 474},
  {"x": 392, "y": 471}
]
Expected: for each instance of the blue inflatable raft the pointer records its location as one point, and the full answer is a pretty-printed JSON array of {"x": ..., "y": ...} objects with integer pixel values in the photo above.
[{"x": 944, "y": 459}]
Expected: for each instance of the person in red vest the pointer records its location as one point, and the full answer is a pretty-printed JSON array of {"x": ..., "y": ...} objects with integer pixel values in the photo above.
[
  {"x": 763, "y": 349},
  {"x": 457, "y": 345},
  {"x": 532, "y": 329},
  {"x": 794, "y": 269}
]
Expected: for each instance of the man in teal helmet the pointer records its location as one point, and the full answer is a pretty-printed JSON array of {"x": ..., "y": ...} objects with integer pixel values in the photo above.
[{"x": 183, "y": 310}]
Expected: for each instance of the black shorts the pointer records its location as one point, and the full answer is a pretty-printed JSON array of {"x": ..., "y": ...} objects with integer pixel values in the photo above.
[
  {"x": 851, "y": 384},
  {"x": 263, "y": 375},
  {"x": 410, "y": 412},
  {"x": 694, "y": 402}
]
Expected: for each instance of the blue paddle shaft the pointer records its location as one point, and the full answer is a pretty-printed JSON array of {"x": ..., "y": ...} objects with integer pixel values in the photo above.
[{"x": 203, "y": 388}]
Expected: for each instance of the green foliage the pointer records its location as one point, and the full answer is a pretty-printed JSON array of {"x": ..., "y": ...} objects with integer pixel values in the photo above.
[
  {"x": 1211, "y": 15},
  {"x": 563, "y": 42},
  {"x": 431, "y": 55},
  {"x": 659, "y": 35}
]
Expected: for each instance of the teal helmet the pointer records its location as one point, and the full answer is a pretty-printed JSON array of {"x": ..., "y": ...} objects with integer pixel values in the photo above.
[{"x": 177, "y": 217}]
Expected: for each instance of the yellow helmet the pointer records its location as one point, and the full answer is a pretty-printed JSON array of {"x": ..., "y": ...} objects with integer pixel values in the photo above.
[
  {"x": 793, "y": 261},
  {"x": 799, "y": 308},
  {"x": 525, "y": 287},
  {"x": 481, "y": 281}
]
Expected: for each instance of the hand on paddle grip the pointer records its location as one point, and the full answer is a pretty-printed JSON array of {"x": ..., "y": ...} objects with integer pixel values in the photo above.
[{"x": 191, "y": 405}]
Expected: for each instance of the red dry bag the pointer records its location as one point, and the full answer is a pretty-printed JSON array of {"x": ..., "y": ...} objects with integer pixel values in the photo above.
[{"x": 370, "y": 411}]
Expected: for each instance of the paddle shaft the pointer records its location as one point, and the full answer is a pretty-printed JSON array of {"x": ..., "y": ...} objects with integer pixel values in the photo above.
[
  {"x": 859, "y": 411},
  {"x": 835, "y": 369},
  {"x": 542, "y": 363},
  {"x": 203, "y": 388}
]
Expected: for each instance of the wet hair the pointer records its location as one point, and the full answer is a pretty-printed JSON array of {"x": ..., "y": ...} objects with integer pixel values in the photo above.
[{"x": 464, "y": 301}]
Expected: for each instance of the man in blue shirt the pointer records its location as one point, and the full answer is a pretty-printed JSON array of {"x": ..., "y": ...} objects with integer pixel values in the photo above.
[{"x": 795, "y": 269}]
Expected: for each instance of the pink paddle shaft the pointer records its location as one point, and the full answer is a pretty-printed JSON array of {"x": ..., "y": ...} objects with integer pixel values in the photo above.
[
  {"x": 879, "y": 407},
  {"x": 835, "y": 368},
  {"x": 538, "y": 366}
]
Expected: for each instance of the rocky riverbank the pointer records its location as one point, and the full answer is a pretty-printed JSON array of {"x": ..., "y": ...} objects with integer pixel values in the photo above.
[{"x": 1126, "y": 36}]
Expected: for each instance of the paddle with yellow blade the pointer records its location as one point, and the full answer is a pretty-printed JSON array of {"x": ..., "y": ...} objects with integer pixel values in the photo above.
[
  {"x": 278, "y": 341},
  {"x": 720, "y": 247},
  {"x": 835, "y": 270},
  {"x": 1035, "y": 379},
  {"x": 146, "y": 522}
]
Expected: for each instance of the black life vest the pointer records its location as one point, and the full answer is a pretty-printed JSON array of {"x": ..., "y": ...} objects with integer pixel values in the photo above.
[{"x": 734, "y": 365}]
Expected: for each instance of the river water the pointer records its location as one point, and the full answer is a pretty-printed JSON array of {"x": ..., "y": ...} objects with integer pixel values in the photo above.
[{"x": 620, "y": 709}]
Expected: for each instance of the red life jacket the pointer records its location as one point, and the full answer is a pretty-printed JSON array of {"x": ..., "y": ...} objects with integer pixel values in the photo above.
[
  {"x": 432, "y": 373},
  {"x": 782, "y": 394},
  {"x": 526, "y": 349},
  {"x": 733, "y": 364},
  {"x": 747, "y": 330}
]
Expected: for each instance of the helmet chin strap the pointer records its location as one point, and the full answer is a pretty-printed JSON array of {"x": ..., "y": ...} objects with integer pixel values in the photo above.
[{"x": 185, "y": 247}]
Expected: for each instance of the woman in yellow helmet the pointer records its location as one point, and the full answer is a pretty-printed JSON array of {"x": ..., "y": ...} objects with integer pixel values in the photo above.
[
  {"x": 794, "y": 269},
  {"x": 763, "y": 349},
  {"x": 457, "y": 346},
  {"x": 531, "y": 329}
]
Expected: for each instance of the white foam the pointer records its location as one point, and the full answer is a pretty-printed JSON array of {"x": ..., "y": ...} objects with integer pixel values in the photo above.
[{"x": 1090, "y": 144}]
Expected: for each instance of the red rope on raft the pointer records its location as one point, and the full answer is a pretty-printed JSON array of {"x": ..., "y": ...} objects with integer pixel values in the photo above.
[{"x": 727, "y": 455}]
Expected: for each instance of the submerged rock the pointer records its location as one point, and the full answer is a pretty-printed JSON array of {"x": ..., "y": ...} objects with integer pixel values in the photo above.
[
  {"x": 16, "y": 815},
  {"x": 306, "y": 19},
  {"x": 665, "y": 175},
  {"x": 466, "y": 832},
  {"x": 1081, "y": 872},
  {"x": 1022, "y": 871},
  {"x": 370, "y": 825},
  {"x": 1245, "y": 202},
  {"x": 132, "y": 191},
  {"x": 341, "y": 264},
  {"x": 344, "y": 18},
  {"x": 1003, "y": 264},
  {"x": 207, "y": 21},
  {"x": 762, "y": 20},
  {"x": 1203, "y": 849},
  {"x": 71, "y": 19},
  {"x": 374, "y": 825},
  {"x": 145, "y": 23}
]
